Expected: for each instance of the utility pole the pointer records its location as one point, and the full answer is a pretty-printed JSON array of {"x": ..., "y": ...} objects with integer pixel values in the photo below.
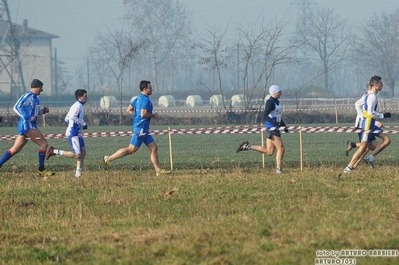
[
  {"x": 56, "y": 74},
  {"x": 238, "y": 68},
  {"x": 9, "y": 50}
]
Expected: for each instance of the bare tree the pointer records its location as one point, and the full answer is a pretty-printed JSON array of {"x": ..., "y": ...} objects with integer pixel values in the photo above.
[
  {"x": 98, "y": 75},
  {"x": 377, "y": 48},
  {"x": 166, "y": 25},
  {"x": 214, "y": 54},
  {"x": 116, "y": 51},
  {"x": 326, "y": 34},
  {"x": 264, "y": 47}
]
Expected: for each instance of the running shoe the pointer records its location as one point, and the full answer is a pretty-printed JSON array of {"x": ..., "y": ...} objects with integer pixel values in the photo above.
[
  {"x": 163, "y": 172},
  {"x": 369, "y": 162},
  {"x": 105, "y": 161},
  {"x": 348, "y": 169},
  {"x": 243, "y": 147},
  {"x": 45, "y": 173},
  {"x": 50, "y": 153}
]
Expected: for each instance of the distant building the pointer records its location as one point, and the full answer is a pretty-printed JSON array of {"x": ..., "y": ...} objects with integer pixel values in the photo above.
[{"x": 26, "y": 50}]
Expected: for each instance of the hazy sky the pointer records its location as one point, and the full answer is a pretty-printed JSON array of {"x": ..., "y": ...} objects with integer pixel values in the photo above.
[{"x": 77, "y": 22}]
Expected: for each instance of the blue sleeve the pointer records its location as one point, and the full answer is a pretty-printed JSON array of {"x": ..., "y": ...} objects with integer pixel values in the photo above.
[{"x": 23, "y": 107}]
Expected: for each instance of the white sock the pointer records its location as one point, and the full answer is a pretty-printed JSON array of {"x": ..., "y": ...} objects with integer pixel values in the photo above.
[
  {"x": 371, "y": 158},
  {"x": 58, "y": 152},
  {"x": 78, "y": 172}
]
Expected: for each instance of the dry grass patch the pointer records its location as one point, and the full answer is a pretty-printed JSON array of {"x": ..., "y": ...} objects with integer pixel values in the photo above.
[{"x": 240, "y": 215}]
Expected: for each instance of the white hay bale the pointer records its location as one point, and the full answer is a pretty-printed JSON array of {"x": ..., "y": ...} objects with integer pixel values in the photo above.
[
  {"x": 166, "y": 101},
  {"x": 237, "y": 100},
  {"x": 216, "y": 101},
  {"x": 108, "y": 102},
  {"x": 194, "y": 101}
]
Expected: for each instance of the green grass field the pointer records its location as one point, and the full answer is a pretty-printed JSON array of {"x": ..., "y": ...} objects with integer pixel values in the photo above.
[{"x": 218, "y": 207}]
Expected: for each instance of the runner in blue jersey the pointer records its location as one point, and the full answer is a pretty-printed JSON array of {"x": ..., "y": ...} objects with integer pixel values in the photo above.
[
  {"x": 142, "y": 110},
  {"x": 28, "y": 108},
  {"x": 272, "y": 118},
  {"x": 76, "y": 123}
]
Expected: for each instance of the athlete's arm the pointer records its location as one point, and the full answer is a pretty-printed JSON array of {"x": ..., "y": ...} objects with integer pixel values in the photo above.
[
  {"x": 147, "y": 115},
  {"x": 145, "y": 109},
  {"x": 371, "y": 106},
  {"x": 359, "y": 106},
  {"x": 21, "y": 108},
  {"x": 270, "y": 106},
  {"x": 130, "y": 110},
  {"x": 73, "y": 114}
]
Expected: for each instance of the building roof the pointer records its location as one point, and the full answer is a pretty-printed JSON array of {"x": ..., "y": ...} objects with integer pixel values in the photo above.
[{"x": 23, "y": 31}]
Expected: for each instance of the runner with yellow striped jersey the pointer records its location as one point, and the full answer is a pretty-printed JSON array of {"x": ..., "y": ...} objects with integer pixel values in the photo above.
[{"x": 369, "y": 128}]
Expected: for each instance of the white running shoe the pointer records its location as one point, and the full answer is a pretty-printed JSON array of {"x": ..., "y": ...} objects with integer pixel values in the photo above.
[
  {"x": 105, "y": 161},
  {"x": 348, "y": 169}
]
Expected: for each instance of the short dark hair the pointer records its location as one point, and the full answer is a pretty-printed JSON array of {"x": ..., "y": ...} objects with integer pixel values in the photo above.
[
  {"x": 375, "y": 80},
  {"x": 144, "y": 84},
  {"x": 80, "y": 93},
  {"x": 36, "y": 83}
]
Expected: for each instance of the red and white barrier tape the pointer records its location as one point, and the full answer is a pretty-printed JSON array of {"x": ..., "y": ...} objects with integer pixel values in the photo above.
[
  {"x": 217, "y": 130},
  {"x": 286, "y": 108}
]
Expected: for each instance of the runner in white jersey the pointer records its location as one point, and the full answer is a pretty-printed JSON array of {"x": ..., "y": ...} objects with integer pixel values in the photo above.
[
  {"x": 358, "y": 123},
  {"x": 76, "y": 123},
  {"x": 368, "y": 124}
]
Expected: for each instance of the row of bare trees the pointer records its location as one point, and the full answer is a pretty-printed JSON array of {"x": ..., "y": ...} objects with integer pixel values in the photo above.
[{"x": 160, "y": 45}]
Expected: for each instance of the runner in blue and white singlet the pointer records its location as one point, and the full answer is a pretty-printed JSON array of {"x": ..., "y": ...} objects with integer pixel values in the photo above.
[
  {"x": 76, "y": 123},
  {"x": 369, "y": 127},
  {"x": 28, "y": 108}
]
